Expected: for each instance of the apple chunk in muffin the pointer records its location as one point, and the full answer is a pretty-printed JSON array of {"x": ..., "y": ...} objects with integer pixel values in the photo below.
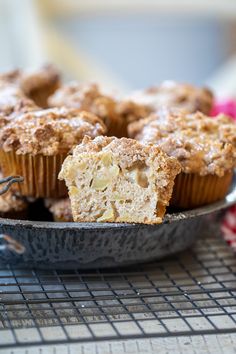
[{"x": 118, "y": 180}]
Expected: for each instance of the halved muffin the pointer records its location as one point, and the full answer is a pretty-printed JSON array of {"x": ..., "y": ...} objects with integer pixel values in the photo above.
[{"x": 118, "y": 180}]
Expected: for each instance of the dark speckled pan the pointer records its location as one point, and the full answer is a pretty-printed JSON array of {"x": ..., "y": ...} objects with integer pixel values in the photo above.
[{"x": 92, "y": 245}]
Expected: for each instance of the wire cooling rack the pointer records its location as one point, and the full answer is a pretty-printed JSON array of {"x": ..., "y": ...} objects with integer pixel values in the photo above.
[{"x": 193, "y": 293}]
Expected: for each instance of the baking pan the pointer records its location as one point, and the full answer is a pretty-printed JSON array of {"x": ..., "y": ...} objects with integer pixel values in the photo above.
[{"x": 41, "y": 244}]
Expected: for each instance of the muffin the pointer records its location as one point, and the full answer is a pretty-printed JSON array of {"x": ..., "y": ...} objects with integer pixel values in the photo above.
[
  {"x": 205, "y": 148},
  {"x": 10, "y": 77},
  {"x": 60, "y": 209},
  {"x": 35, "y": 144},
  {"x": 89, "y": 97},
  {"x": 130, "y": 111},
  {"x": 175, "y": 96},
  {"x": 13, "y": 102},
  {"x": 12, "y": 206},
  {"x": 118, "y": 180},
  {"x": 39, "y": 84}
]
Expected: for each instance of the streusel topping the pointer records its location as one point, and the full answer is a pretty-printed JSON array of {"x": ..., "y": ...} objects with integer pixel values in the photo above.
[
  {"x": 129, "y": 151},
  {"x": 10, "y": 77},
  {"x": 202, "y": 144},
  {"x": 89, "y": 97},
  {"x": 175, "y": 95},
  {"x": 50, "y": 131},
  {"x": 12, "y": 103},
  {"x": 76, "y": 95},
  {"x": 132, "y": 111}
]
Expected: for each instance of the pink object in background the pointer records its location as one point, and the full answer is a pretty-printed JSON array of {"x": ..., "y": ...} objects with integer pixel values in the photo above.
[
  {"x": 227, "y": 107},
  {"x": 228, "y": 226}
]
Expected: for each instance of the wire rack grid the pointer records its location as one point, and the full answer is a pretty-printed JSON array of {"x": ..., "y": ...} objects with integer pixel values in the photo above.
[{"x": 192, "y": 293}]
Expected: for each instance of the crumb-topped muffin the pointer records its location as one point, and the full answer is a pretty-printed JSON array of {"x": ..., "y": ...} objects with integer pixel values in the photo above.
[
  {"x": 131, "y": 111},
  {"x": 119, "y": 180},
  {"x": 13, "y": 103},
  {"x": 175, "y": 95},
  {"x": 37, "y": 84},
  {"x": 40, "y": 84},
  {"x": 35, "y": 144},
  {"x": 89, "y": 97},
  {"x": 10, "y": 77},
  {"x": 205, "y": 147}
]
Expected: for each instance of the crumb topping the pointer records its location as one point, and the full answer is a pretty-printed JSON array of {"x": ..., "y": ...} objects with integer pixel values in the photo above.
[
  {"x": 202, "y": 144},
  {"x": 129, "y": 151},
  {"x": 50, "y": 131},
  {"x": 87, "y": 97},
  {"x": 76, "y": 95},
  {"x": 12, "y": 100},
  {"x": 10, "y": 77},
  {"x": 175, "y": 95},
  {"x": 12, "y": 103},
  {"x": 132, "y": 111}
]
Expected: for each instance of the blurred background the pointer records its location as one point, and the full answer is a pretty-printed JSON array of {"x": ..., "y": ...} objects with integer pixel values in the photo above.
[{"x": 127, "y": 44}]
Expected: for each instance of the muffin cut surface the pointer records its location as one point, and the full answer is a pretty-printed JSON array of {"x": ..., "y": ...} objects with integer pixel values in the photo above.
[{"x": 118, "y": 180}]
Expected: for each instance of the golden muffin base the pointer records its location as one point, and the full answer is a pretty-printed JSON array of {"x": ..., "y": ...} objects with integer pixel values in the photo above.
[
  {"x": 192, "y": 190},
  {"x": 40, "y": 174}
]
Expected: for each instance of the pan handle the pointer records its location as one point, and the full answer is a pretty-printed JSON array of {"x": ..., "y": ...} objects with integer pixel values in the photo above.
[
  {"x": 9, "y": 243},
  {"x": 9, "y": 181}
]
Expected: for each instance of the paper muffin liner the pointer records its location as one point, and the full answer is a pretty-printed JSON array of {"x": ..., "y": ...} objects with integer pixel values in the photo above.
[
  {"x": 192, "y": 190},
  {"x": 40, "y": 174}
]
